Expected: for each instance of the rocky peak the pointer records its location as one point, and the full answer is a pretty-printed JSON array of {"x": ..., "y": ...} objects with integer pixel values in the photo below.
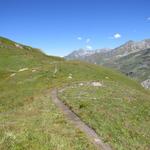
[
  {"x": 81, "y": 53},
  {"x": 132, "y": 47}
]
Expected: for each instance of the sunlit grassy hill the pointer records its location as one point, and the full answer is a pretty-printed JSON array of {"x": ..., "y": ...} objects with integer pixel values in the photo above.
[{"x": 28, "y": 118}]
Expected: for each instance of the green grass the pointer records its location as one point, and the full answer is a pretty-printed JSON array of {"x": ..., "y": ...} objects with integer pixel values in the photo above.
[
  {"x": 39, "y": 125},
  {"x": 118, "y": 113},
  {"x": 28, "y": 118}
]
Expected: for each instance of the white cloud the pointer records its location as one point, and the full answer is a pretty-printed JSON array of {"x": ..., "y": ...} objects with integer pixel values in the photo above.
[
  {"x": 89, "y": 47},
  {"x": 88, "y": 40},
  {"x": 148, "y": 19},
  {"x": 79, "y": 38},
  {"x": 117, "y": 36}
]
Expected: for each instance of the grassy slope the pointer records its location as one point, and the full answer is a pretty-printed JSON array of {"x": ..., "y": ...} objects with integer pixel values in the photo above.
[
  {"x": 119, "y": 113},
  {"x": 28, "y": 118}
]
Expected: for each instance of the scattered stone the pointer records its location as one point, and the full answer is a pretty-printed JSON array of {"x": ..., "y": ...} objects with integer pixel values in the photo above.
[
  {"x": 33, "y": 70},
  {"x": 23, "y": 69},
  {"x": 70, "y": 76},
  {"x": 12, "y": 74},
  {"x": 81, "y": 84},
  {"x": 146, "y": 84},
  {"x": 96, "y": 84},
  {"x": 18, "y": 46},
  {"x": 97, "y": 140}
]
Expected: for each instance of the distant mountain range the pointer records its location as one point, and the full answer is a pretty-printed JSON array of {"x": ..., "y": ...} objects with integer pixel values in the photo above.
[{"x": 131, "y": 58}]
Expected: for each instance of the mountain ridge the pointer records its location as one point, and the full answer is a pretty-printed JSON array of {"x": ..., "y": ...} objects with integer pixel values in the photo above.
[
  {"x": 120, "y": 58},
  {"x": 130, "y": 46}
]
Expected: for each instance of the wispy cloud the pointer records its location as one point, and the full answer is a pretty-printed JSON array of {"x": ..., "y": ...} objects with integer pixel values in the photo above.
[
  {"x": 88, "y": 40},
  {"x": 79, "y": 38},
  {"x": 89, "y": 47},
  {"x": 148, "y": 19},
  {"x": 117, "y": 36}
]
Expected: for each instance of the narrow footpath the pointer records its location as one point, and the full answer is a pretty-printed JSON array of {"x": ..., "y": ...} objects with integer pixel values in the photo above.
[{"x": 78, "y": 123}]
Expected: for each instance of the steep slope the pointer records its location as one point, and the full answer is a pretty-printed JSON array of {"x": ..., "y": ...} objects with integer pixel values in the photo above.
[
  {"x": 29, "y": 119},
  {"x": 135, "y": 64},
  {"x": 131, "y": 47}
]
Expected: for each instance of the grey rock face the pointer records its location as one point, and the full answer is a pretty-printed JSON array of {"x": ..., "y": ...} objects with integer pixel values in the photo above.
[
  {"x": 121, "y": 51},
  {"x": 83, "y": 53}
]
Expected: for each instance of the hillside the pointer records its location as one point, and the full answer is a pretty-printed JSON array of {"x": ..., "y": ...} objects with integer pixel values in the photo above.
[
  {"x": 131, "y": 58},
  {"x": 136, "y": 64},
  {"x": 30, "y": 120}
]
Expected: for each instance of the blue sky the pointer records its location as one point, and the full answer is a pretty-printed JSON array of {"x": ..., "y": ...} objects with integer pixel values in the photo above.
[{"x": 61, "y": 26}]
